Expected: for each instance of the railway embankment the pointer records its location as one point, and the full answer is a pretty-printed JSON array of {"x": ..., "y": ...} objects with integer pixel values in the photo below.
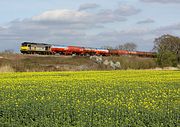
[{"x": 41, "y": 63}]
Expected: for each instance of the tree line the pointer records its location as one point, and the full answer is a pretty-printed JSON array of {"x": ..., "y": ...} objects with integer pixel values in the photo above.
[
  {"x": 130, "y": 46},
  {"x": 167, "y": 48}
]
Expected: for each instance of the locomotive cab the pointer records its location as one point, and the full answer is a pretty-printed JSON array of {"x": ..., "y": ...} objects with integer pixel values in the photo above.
[
  {"x": 24, "y": 47},
  {"x": 35, "y": 48}
]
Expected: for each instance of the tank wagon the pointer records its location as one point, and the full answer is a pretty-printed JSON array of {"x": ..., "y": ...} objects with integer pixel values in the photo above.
[
  {"x": 48, "y": 49},
  {"x": 74, "y": 50},
  {"x": 116, "y": 52},
  {"x": 58, "y": 49},
  {"x": 89, "y": 51},
  {"x": 103, "y": 52}
]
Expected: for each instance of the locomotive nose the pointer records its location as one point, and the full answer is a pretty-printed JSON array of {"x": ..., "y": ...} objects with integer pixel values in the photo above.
[{"x": 24, "y": 48}]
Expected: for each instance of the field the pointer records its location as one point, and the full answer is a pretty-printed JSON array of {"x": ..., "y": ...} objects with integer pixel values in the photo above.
[{"x": 90, "y": 99}]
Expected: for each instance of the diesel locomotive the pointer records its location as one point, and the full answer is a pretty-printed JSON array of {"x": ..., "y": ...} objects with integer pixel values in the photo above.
[
  {"x": 49, "y": 49},
  {"x": 35, "y": 48}
]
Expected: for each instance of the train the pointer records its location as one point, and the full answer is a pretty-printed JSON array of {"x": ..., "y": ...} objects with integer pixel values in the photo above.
[{"x": 50, "y": 49}]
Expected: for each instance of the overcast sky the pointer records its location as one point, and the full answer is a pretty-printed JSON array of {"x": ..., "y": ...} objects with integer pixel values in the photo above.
[{"x": 92, "y": 23}]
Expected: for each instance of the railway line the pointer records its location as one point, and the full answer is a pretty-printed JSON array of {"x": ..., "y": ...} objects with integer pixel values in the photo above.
[{"x": 48, "y": 49}]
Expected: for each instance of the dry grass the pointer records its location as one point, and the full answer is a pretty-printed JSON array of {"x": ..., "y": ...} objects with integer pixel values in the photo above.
[
  {"x": 6, "y": 68},
  {"x": 37, "y": 63},
  {"x": 134, "y": 62}
]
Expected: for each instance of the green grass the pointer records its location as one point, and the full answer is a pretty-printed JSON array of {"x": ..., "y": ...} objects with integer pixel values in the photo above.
[{"x": 90, "y": 99}]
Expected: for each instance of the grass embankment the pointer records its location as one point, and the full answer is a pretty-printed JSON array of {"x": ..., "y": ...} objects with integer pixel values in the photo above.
[{"x": 33, "y": 63}]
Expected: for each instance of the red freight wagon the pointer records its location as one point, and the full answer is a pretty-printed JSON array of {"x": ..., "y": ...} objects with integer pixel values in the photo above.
[
  {"x": 141, "y": 53},
  {"x": 150, "y": 54},
  {"x": 133, "y": 53},
  {"x": 146, "y": 54},
  {"x": 113, "y": 52},
  {"x": 74, "y": 50},
  {"x": 58, "y": 49},
  {"x": 119, "y": 52},
  {"x": 103, "y": 52},
  {"x": 123, "y": 52},
  {"x": 89, "y": 51}
]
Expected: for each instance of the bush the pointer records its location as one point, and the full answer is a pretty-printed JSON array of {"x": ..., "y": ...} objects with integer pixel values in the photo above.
[{"x": 166, "y": 58}]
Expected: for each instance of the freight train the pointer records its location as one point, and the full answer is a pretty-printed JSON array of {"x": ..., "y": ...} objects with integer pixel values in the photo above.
[{"x": 49, "y": 49}]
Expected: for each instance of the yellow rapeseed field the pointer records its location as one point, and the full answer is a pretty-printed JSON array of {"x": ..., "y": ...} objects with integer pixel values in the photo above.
[{"x": 90, "y": 99}]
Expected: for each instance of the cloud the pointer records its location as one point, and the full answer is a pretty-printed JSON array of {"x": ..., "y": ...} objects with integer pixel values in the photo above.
[
  {"x": 77, "y": 17},
  {"x": 1, "y": 28},
  {"x": 127, "y": 33},
  {"x": 161, "y": 1},
  {"x": 62, "y": 16},
  {"x": 143, "y": 37},
  {"x": 146, "y": 21},
  {"x": 69, "y": 27},
  {"x": 88, "y": 6},
  {"x": 127, "y": 10},
  {"x": 114, "y": 38},
  {"x": 171, "y": 29},
  {"x": 72, "y": 16}
]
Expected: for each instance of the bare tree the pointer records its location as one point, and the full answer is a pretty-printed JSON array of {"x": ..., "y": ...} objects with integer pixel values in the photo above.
[
  {"x": 166, "y": 46},
  {"x": 107, "y": 47},
  {"x": 128, "y": 46},
  {"x": 121, "y": 47},
  {"x": 8, "y": 51}
]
